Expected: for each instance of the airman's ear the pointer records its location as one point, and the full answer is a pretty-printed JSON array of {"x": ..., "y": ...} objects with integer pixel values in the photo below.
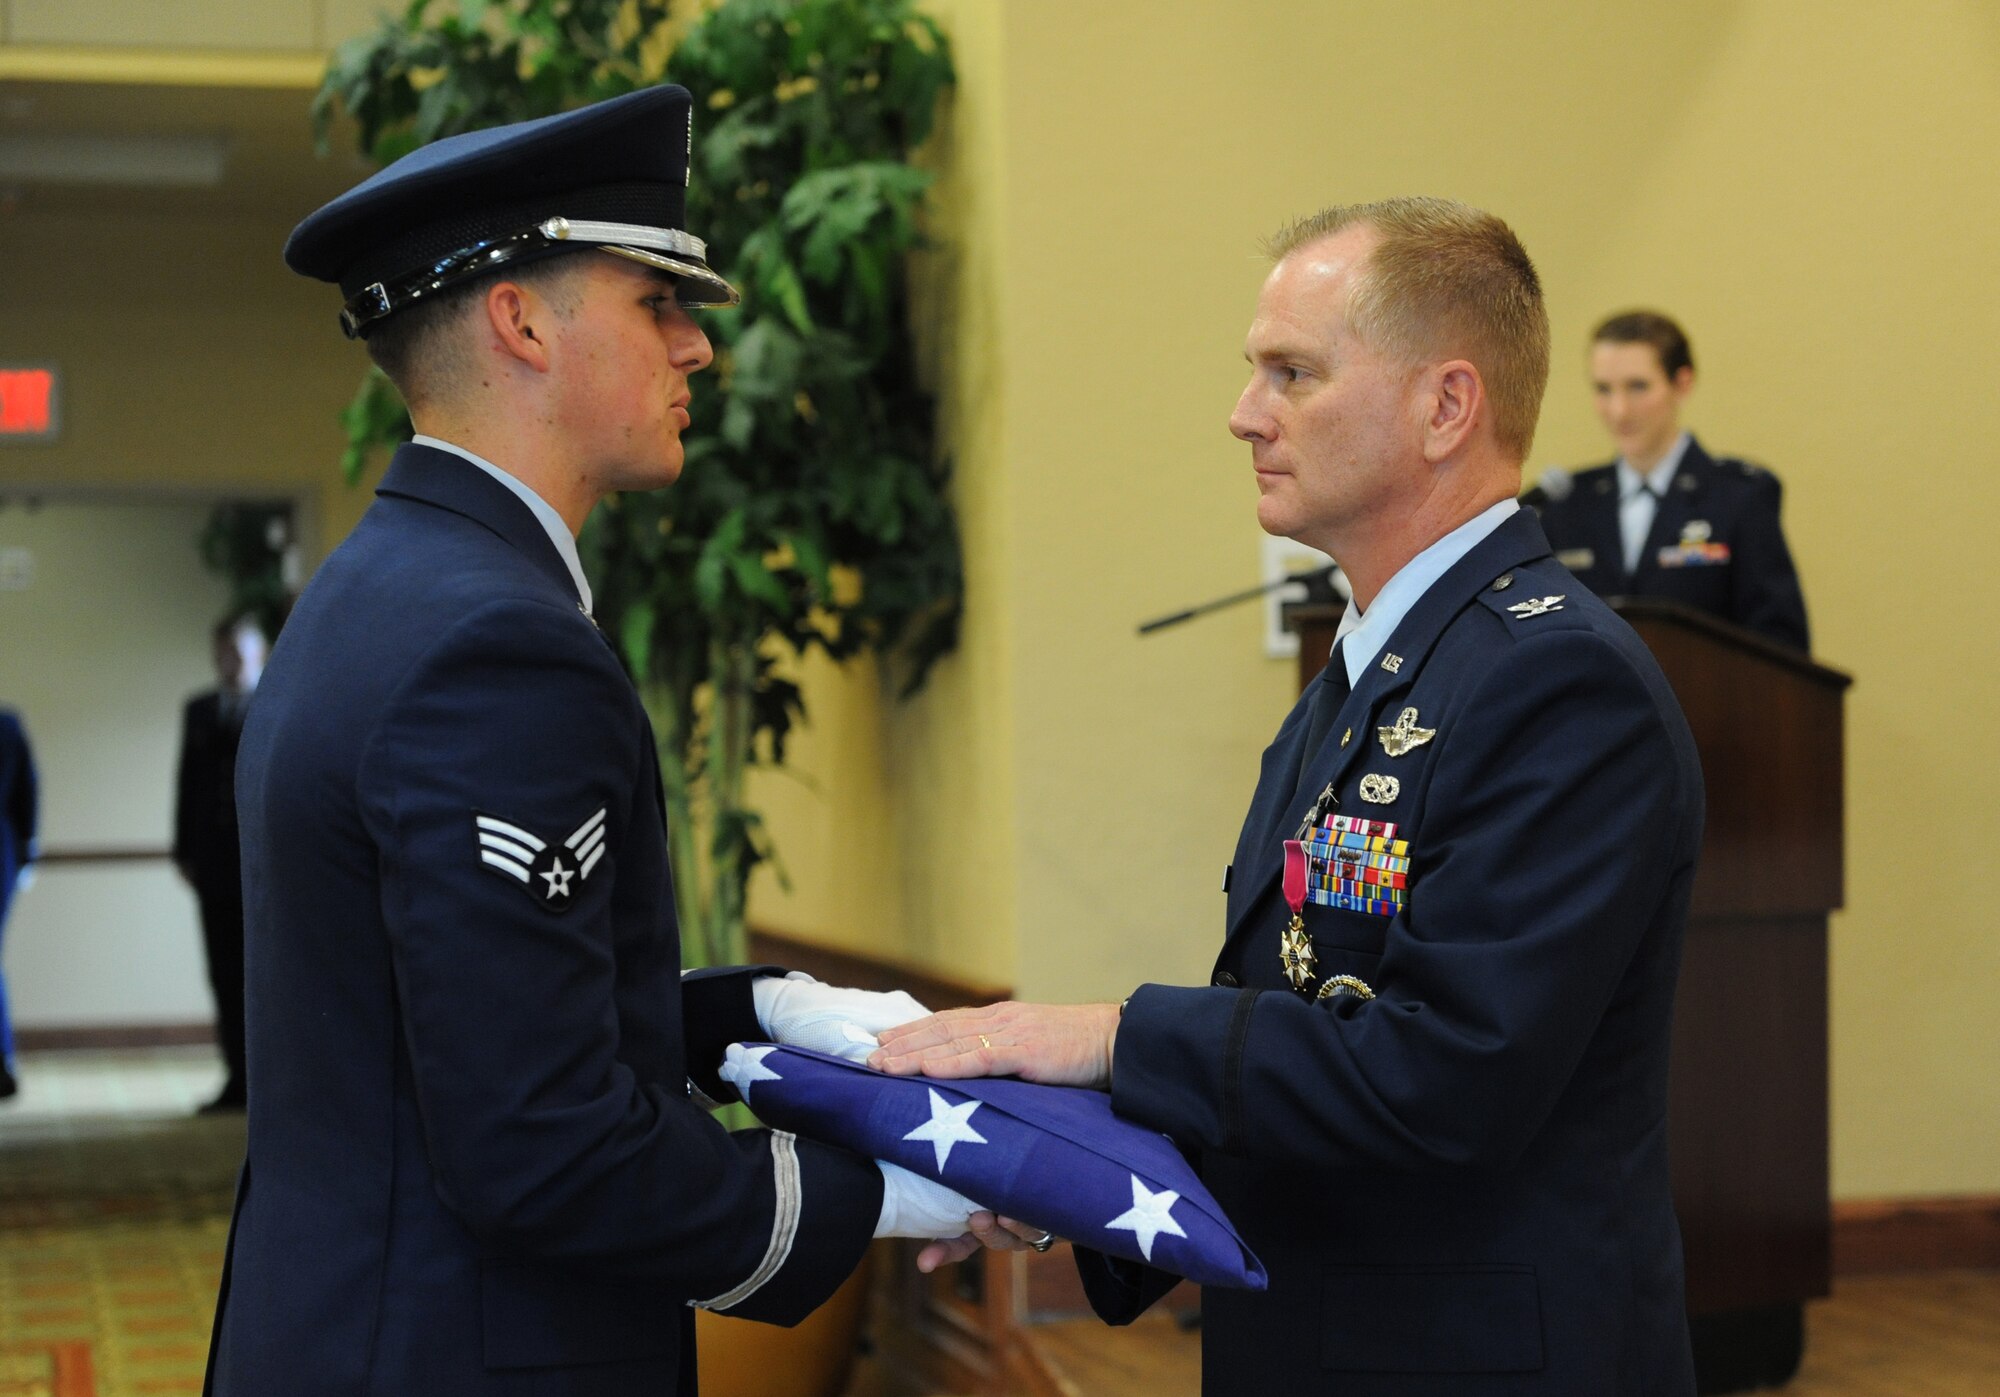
[{"x": 512, "y": 312}]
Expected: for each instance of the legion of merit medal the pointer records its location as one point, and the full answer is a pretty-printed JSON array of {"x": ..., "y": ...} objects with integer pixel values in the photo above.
[{"x": 1295, "y": 947}]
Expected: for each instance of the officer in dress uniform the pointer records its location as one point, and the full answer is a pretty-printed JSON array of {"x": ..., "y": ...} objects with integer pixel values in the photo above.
[
  {"x": 478, "y": 1157},
  {"x": 1666, "y": 519},
  {"x": 1428, "y": 1079}
]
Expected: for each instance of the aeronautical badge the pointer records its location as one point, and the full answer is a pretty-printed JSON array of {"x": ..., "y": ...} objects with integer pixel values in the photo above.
[
  {"x": 1404, "y": 735},
  {"x": 552, "y": 873}
]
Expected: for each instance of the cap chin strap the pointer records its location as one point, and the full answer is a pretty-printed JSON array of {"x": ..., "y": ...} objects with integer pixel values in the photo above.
[{"x": 669, "y": 249}]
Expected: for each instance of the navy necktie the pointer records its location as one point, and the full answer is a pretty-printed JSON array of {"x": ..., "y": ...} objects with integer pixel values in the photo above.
[{"x": 1329, "y": 693}]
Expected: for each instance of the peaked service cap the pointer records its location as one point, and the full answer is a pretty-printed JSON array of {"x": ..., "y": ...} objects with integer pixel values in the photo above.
[
  {"x": 1056, "y": 1157},
  {"x": 611, "y": 176}
]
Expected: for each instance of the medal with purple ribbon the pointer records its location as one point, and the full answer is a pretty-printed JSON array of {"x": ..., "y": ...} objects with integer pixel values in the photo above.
[{"x": 1295, "y": 948}]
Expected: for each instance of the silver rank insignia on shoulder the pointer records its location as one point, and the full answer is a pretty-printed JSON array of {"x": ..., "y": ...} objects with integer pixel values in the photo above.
[
  {"x": 1535, "y": 606},
  {"x": 1404, "y": 735},
  {"x": 550, "y": 873},
  {"x": 1380, "y": 790}
]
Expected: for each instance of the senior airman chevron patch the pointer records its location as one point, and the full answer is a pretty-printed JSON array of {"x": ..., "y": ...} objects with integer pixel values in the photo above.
[{"x": 548, "y": 872}]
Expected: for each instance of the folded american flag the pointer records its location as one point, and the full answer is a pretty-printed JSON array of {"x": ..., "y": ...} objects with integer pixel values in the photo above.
[{"x": 1055, "y": 1157}]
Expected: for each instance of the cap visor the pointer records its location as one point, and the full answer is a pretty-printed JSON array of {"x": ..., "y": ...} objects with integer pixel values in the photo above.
[{"x": 697, "y": 287}]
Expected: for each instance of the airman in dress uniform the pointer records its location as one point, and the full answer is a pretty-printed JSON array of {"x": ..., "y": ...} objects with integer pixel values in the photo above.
[
  {"x": 478, "y": 1159},
  {"x": 1428, "y": 1080},
  {"x": 1666, "y": 519}
]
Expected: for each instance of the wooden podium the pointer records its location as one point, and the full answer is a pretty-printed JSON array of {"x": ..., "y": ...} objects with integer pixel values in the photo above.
[{"x": 1747, "y": 1116}]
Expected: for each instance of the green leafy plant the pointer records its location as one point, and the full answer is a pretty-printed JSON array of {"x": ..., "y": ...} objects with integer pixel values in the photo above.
[
  {"x": 813, "y": 509},
  {"x": 246, "y": 542}
]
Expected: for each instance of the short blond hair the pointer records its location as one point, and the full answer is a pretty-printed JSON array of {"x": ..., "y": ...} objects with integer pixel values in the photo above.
[{"x": 1446, "y": 280}]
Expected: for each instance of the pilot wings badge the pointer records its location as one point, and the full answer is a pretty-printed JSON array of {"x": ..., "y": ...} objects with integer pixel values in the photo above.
[{"x": 551, "y": 873}]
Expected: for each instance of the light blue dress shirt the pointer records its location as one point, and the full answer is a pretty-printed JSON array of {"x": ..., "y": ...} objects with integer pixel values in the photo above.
[
  {"x": 545, "y": 513},
  {"x": 1365, "y": 635},
  {"x": 1636, "y": 507}
]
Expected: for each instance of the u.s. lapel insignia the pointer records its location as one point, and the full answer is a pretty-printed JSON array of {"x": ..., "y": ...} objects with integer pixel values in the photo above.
[
  {"x": 1380, "y": 790},
  {"x": 551, "y": 873},
  {"x": 1535, "y": 606},
  {"x": 1404, "y": 735},
  {"x": 1392, "y": 663},
  {"x": 1687, "y": 484}
]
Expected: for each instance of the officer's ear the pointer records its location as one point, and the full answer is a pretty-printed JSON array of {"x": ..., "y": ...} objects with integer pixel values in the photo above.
[
  {"x": 513, "y": 313},
  {"x": 1453, "y": 399}
]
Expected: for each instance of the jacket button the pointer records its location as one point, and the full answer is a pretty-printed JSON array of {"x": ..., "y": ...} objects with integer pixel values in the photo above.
[{"x": 1224, "y": 980}]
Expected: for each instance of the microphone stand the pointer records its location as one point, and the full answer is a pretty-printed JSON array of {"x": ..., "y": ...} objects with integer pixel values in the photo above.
[{"x": 1318, "y": 574}]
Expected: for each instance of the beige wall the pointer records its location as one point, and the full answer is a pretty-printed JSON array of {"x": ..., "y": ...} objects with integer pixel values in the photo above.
[
  {"x": 190, "y": 356},
  {"x": 1796, "y": 181},
  {"x": 98, "y": 653},
  {"x": 188, "y": 24}
]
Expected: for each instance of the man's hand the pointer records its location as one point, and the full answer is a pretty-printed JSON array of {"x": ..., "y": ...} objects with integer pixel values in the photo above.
[
  {"x": 1058, "y": 1044},
  {"x": 914, "y": 1206},
  {"x": 800, "y": 1012},
  {"x": 993, "y": 1233}
]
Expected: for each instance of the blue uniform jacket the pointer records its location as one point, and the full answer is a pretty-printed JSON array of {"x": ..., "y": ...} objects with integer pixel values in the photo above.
[
  {"x": 18, "y": 801},
  {"x": 1460, "y": 1185},
  {"x": 474, "y": 1165},
  {"x": 1716, "y": 544}
]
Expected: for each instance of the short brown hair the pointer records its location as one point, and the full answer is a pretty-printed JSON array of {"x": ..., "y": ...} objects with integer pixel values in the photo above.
[
  {"x": 1447, "y": 279},
  {"x": 415, "y": 347},
  {"x": 1669, "y": 340}
]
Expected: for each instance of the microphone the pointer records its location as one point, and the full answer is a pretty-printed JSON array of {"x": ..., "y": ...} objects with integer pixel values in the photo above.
[
  {"x": 1316, "y": 577},
  {"x": 1553, "y": 487}
]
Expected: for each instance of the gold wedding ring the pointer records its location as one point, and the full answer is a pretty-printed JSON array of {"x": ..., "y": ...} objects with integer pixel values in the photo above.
[{"x": 985, "y": 1042}]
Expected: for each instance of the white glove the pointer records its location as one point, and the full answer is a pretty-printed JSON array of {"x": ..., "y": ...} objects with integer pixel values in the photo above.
[
  {"x": 914, "y": 1206},
  {"x": 800, "y": 1012}
]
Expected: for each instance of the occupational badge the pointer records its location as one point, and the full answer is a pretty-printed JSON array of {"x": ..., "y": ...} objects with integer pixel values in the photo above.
[
  {"x": 551, "y": 873},
  {"x": 1380, "y": 790},
  {"x": 1341, "y": 986},
  {"x": 1535, "y": 606},
  {"x": 1404, "y": 735}
]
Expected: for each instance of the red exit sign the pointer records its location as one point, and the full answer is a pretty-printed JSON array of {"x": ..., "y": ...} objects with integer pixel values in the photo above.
[{"x": 28, "y": 402}]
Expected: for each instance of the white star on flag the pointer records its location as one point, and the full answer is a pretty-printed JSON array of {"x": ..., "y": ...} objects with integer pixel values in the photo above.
[
  {"x": 742, "y": 1066},
  {"x": 1149, "y": 1216},
  {"x": 949, "y": 1125}
]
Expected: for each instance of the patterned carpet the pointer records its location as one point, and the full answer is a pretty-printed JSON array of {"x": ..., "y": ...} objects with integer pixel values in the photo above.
[{"x": 111, "y": 1235}]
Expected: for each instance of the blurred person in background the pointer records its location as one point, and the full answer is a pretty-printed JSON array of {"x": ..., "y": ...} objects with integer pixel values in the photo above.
[
  {"x": 1666, "y": 519},
  {"x": 206, "y": 848},
  {"x": 18, "y": 799}
]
